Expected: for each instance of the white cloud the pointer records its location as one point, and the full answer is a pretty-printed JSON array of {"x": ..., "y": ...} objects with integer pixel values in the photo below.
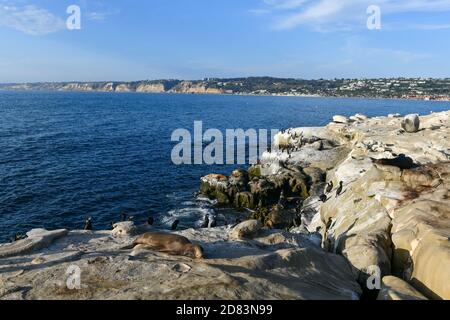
[
  {"x": 30, "y": 19},
  {"x": 323, "y": 14}
]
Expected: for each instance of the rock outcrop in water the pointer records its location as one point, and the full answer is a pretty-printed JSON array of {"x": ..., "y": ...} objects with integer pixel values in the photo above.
[
  {"x": 387, "y": 215},
  {"x": 392, "y": 214}
]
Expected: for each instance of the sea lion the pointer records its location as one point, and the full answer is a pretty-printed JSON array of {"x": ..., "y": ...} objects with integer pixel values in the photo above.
[
  {"x": 402, "y": 162},
  {"x": 170, "y": 243}
]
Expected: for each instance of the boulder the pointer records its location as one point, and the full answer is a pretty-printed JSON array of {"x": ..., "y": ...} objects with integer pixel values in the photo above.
[
  {"x": 393, "y": 288},
  {"x": 411, "y": 123},
  {"x": 246, "y": 229},
  {"x": 36, "y": 239},
  {"x": 340, "y": 119},
  {"x": 125, "y": 228}
]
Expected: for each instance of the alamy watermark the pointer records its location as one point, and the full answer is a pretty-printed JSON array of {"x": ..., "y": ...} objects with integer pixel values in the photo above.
[
  {"x": 374, "y": 19},
  {"x": 73, "y": 22},
  {"x": 374, "y": 280},
  {"x": 235, "y": 146},
  {"x": 73, "y": 281}
]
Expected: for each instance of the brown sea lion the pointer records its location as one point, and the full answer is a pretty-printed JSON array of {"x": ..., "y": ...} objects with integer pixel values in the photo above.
[{"x": 170, "y": 243}]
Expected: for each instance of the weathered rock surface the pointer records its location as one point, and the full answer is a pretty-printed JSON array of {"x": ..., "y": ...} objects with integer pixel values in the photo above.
[
  {"x": 395, "y": 219},
  {"x": 392, "y": 217},
  {"x": 274, "y": 265},
  {"x": 393, "y": 288},
  {"x": 246, "y": 229}
]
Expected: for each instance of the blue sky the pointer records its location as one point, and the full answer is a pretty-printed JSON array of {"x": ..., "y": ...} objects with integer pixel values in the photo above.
[{"x": 192, "y": 39}]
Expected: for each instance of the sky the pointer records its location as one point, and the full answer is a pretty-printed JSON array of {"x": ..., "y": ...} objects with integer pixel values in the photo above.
[{"x": 193, "y": 39}]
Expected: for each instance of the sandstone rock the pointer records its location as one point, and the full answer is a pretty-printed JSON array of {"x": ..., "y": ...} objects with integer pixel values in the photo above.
[
  {"x": 411, "y": 123},
  {"x": 37, "y": 239},
  {"x": 215, "y": 186},
  {"x": 340, "y": 119},
  {"x": 246, "y": 229},
  {"x": 393, "y": 288},
  {"x": 125, "y": 228},
  {"x": 389, "y": 217},
  {"x": 276, "y": 266},
  {"x": 361, "y": 117}
]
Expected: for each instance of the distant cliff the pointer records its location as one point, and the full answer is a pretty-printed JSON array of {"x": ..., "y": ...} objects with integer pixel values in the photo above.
[
  {"x": 158, "y": 86},
  {"x": 405, "y": 88}
]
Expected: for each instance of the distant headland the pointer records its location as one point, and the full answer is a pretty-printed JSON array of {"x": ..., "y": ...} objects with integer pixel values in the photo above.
[{"x": 395, "y": 88}]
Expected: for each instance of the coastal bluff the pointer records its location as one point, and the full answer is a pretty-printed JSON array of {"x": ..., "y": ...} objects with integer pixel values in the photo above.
[{"x": 386, "y": 215}]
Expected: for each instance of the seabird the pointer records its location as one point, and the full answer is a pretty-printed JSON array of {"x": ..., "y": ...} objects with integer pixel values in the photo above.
[
  {"x": 18, "y": 236},
  {"x": 339, "y": 189},
  {"x": 124, "y": 217},
  {"x": 212, "y": 222},
  {"x": 297, "y": 221},
  {"x": 330, "y": 186},
  {"x": 205, "y": 222},
  {"x": 150, "y": 221},
  {"x": 88, "y": 224},
  {"x": 175, "y": 224},
  {"x": 282, "y": 202},
  {"x": 131, "y": 218},
  {"x": 323, "y": 198}
]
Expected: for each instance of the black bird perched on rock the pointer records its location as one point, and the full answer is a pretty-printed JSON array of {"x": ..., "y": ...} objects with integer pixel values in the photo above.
[
  {"x": 297, "y": 222},
  {"x": 339, "y": 189},
  {"x": 17, "y": 237},
  {"x": 212, "y": 222},
  {"x": 112, "y": 224},
  {"x": 205, "y": 222},
  {"x": 329, "y": 187},
  {"x": 88, "y": 224},
  {"x": 150, "y": 221},
  {"x": 323, "y": 198},
  {"x": 175, "y": 225},
  {"x": 282, "y": 202},
  {"x": 124, "y": 217}
]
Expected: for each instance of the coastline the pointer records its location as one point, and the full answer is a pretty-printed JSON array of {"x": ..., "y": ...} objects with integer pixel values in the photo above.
[
  {"x": 378, "y": 214},
  {"x": 234, "y": 94}
]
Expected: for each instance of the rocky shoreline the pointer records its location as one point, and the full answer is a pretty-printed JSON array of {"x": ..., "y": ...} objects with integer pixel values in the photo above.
[{"x": 310, "y": 238}]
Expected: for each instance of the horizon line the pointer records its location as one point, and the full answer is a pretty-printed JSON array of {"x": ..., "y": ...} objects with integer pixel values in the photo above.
[{"x": 229, "y": 78}]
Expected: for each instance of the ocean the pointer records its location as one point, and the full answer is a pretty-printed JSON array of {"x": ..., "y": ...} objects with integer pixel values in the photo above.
[{"x": 68, "y": 156}]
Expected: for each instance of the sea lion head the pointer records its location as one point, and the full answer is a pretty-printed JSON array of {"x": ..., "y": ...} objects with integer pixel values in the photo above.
[{"x": 194, "y": 251}]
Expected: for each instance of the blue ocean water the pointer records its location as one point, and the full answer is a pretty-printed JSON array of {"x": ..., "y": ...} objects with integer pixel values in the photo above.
[{"x": 68, "y": 156}]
